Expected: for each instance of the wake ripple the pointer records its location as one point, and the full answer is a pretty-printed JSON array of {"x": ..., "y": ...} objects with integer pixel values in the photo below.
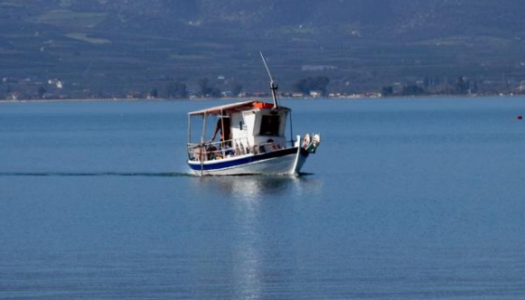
[{"x": 92, "y": 174}]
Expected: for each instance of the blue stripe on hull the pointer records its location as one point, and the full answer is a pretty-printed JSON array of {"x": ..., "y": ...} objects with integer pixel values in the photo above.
[{"x": 244, "y": 161}]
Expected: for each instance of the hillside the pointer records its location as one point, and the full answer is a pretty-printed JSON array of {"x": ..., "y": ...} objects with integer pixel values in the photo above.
[{"x": 109, "y": 48}]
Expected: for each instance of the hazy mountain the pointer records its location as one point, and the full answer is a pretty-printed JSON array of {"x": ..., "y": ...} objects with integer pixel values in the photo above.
[{"x": 100, "y": 47}]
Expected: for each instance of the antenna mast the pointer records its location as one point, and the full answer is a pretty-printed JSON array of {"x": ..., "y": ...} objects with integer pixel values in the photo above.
[{"x": 273, "y": 85}]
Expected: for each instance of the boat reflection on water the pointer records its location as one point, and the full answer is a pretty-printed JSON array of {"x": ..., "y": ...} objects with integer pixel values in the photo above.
[
  {"x": 255, "y": 205},
  {"x": 258, "y": 187}
]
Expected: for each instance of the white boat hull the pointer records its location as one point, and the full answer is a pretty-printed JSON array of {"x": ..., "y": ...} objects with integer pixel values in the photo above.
[{"x": 282, "y": 162}]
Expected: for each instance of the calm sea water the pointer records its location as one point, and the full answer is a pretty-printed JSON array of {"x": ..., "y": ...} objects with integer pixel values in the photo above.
[{"x": 406, "y": 199}]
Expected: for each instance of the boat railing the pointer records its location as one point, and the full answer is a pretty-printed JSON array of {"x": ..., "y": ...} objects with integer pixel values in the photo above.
[{"x": 227, "y": 149}]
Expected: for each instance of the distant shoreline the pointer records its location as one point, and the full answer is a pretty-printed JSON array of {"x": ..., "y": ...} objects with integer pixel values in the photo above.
[{"x": 264, "y": 99}]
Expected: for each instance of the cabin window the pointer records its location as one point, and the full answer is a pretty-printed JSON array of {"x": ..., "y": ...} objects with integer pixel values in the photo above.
[
  {"x": 270, "y": 125},
  {"x": 242, "y": 125}
]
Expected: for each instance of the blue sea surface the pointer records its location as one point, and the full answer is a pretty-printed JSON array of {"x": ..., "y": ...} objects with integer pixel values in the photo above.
[{"x": 405, "y": 199}]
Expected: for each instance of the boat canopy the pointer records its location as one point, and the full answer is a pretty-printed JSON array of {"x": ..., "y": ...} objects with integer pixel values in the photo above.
[{"x": 235, "y": 107}]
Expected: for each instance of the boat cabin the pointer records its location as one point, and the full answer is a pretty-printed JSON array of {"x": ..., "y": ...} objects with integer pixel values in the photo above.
[{"x": 253, "y": 127}]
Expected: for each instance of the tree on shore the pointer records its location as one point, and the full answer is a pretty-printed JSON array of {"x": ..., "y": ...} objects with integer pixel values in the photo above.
[
  {"x": 41, "y": 92},
  {"x": 177, "y": 90},
  {"x": 412, "y": 90},
  {"x": 154, "y": 93},
  {"x": 208, "y": 90},
  {"x": 387, "y": 91},
  {"x": 461, "y": 86},
  {"x": 237, "y": 89},
  {"x": 310, "y": 84}
]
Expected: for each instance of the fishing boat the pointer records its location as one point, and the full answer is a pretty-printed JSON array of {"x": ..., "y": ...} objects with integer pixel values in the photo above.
[{"x": 252, "y": 139}]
